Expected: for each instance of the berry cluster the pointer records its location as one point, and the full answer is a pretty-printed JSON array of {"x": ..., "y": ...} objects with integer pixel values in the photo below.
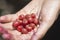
[
  {"x": 5, "y": 35},
  {"x": 25, "y": 23}
]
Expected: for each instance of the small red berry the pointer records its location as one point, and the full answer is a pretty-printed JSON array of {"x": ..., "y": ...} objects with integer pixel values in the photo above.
[
  {"x": 28, "y": 28},
  {"x": 30, "y": 20},
  {"x": 19, "y": 28},
  {"x": 16, "y": 24},
  {"x": 24, "y": 31},
  {"x": 33, "y": 15},
  {"x": 21, "y": 17},
  {"x": 21, "y": 22},
  {"x": 25, "y": 21},
  {"x": 36, "y": 21},
  {"x": 32, "y": 25},
  {"x": 27, "y": 16}
]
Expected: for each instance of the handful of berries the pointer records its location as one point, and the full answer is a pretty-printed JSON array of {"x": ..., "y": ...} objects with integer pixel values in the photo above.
[{"x": 25, "y": 23}]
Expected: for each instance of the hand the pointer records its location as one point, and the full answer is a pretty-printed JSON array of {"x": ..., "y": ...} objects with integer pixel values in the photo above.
[{"x": 48, "y": 12}]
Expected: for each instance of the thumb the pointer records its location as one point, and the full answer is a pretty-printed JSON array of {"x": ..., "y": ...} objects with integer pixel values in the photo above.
[{"x": 7, "y": 18}]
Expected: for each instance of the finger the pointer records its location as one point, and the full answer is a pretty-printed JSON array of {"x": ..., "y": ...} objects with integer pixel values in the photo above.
[
  {"x": 7, "y": 18},
  {"x": 0, "y": 24},
  {"x": 49, "y": 14},
  {"x": 15, "y": 34},
  {"x": 7, "y": 26}
]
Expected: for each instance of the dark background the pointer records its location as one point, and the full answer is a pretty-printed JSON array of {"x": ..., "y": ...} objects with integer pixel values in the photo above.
[{"x": 52, "y": 34}]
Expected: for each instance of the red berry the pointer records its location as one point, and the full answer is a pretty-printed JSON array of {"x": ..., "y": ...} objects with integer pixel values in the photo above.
[
  {"x": 27, "y": 16},
  {"x": 36, "y": 21},
  {"x": 21, "y": 22},
  {"x": 33, "y": 15},
  {"x": 28, "y": 28},
  {"x": 32, "y": 25},
  {"x": 21, "y": 17},
  {"x": 30, "y": 20},
  {"x": 24, "y": 31},
  {"x": 25, "y": 21},
  {"x": 19, "y": 28},
  {"x": 16, "y": 24}
]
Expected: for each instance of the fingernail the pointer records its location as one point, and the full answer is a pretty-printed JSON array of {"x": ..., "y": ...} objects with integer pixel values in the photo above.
[{"x": 2, "y": 18}]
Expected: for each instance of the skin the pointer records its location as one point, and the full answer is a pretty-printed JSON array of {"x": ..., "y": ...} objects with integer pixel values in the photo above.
[{"x": 48, "y": 11}]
